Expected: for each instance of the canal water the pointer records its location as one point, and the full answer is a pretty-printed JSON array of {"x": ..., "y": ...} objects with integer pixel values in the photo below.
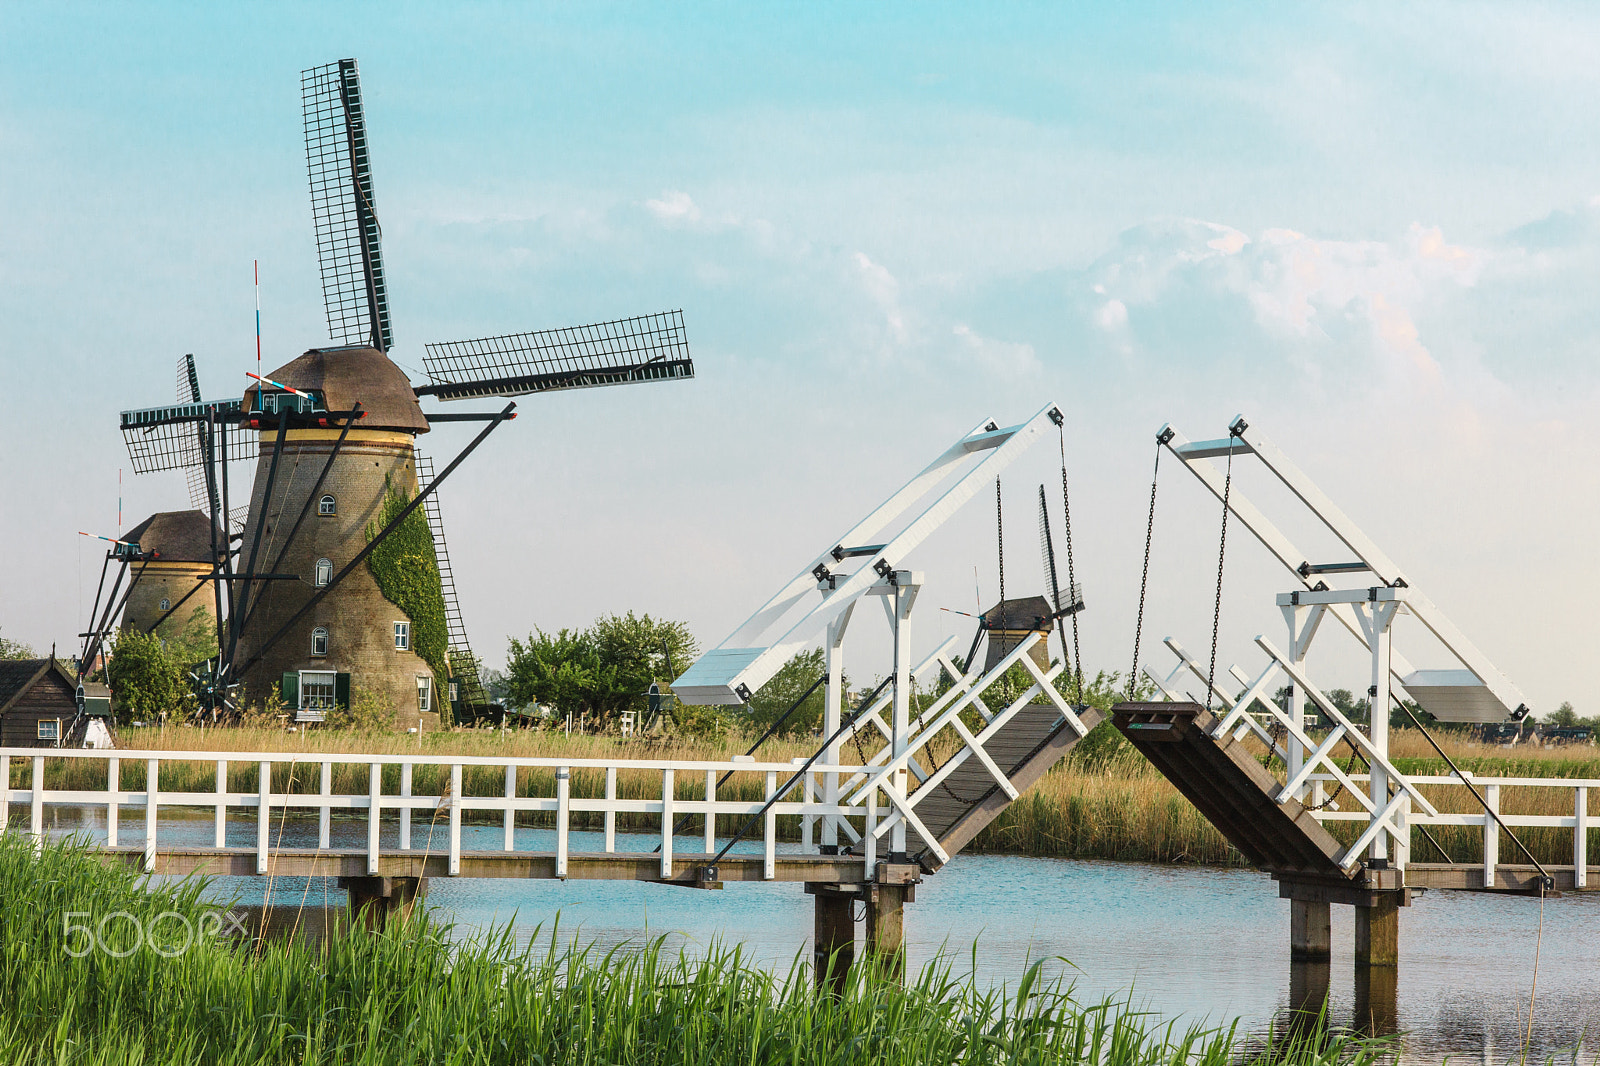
[{"x": 1190, "y": 943}]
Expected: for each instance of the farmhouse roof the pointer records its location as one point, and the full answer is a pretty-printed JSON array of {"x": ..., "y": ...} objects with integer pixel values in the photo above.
[{"x": 17, "y": 676}]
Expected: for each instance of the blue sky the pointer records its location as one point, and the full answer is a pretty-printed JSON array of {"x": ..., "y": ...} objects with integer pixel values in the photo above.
[{"x": 1374, "y": 232}]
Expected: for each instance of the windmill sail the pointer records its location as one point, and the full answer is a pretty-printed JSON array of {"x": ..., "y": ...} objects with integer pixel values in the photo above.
[
  {"x": 628, "y": 350},
  {"x": 463, "y": 664},
  {"x": 201, "y": 495},
  {"x": 343, "y": 206}
]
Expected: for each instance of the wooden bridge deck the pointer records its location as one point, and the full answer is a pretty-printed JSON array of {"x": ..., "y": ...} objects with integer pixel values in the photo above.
[{"x": 581, "y": 866}]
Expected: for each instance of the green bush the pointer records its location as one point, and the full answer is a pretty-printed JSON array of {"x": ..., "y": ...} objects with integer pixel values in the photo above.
[{"x": 406, "y": 568}]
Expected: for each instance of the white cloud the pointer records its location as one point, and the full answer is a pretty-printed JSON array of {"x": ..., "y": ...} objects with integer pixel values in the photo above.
[
  {"x": 674, "y": 206},
  {"x": 1112, "y": 315},
  {"x": 884, "y": 290},
  {"x": 1006, "y": 359}
]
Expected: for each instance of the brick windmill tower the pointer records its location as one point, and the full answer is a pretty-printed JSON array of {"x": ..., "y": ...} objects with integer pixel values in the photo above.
[{"x": 340, "y": 581}]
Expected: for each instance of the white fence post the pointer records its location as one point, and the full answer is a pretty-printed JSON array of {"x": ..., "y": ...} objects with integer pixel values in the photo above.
[
  {"x": 563, "y": 817},
  {"x": 405, "y": 809},
  {"x": 666, "y": 824},
  {"x": 1580, "y": 837},
  {"x": 325, "y": 815},
  {"x": 263, "y": 814},
  {"x": 807, "y": 794},
  {"x": 711, "y": 819},
  {"x": 374, "y": 813},
  {"x": 455, "y": 819},
  {"x": 769, "y": 830},
  {"x": 611, "y": 814},
  {"x": 1491, "y": 834},
  {"x": 5, "y": 785},
  {"x": 36, "y": 809},
  {"x": 511, "y": 815},
  {"x": 152, "y": 782},
  {"x": 219, "y": 835},
  {"x": 113, "y": 786},
  {"x": 869, "y": 837}
]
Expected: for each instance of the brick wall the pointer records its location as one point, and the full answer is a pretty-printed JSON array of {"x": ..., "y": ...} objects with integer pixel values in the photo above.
[{"x": 359, "y": 620}]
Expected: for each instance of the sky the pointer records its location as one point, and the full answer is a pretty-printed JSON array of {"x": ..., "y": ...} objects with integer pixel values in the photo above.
[{"x": 1375, "y": 232}]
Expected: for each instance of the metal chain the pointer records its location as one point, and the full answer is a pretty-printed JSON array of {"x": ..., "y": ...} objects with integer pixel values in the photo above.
[
  {"x": 1222, "y": 553},
  {"x": 1072, "y": 584},
  {"x": 1144, "y": 577},
  {"x": 1000, "y": 539}
]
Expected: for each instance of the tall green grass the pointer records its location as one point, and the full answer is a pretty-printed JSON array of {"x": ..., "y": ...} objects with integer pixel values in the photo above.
[{"x": 408, "y": 995}]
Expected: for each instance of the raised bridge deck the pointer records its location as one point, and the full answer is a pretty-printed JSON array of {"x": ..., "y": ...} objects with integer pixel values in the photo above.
[{"x": 1207, "y": 759}]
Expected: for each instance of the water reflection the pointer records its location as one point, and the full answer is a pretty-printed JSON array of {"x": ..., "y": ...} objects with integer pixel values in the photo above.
[{"x": 1203, "y": 944}]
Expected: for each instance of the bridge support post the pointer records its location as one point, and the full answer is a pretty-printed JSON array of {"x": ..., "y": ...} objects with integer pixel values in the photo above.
[
  {"x": 1310, "y": 931},
  {"x": 375, "y": 901},
  {"x": 886, "y": 927},
  {"x": 833, "y": 935},
  {"x": 1378, "y": 932}
]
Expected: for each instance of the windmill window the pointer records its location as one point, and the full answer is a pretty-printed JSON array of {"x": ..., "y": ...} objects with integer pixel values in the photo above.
[
  {"x": 327, "y": 506},
  {"x": 165, "y": 604},
  {"x": 319, "y": 641},
  {"x": 317, "y": 690},
  {"x": 402, "y": 636},
  {"x": 49, "y": 729},
  {"x": 424, "y": 693},
  {"x": 324, "y": 573}
]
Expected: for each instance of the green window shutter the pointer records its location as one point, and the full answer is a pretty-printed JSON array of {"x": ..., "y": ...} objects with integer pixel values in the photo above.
[
  {"x": 341, "y": 690},
  {"x": 289, "y": 691}
]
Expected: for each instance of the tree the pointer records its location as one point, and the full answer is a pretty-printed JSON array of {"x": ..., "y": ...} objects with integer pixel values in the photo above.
[
  {"x": 15, "y": 649},
  {"x": 1563, "y": 715},
  {"x": 640, "y": 650},
  {"x": 600, "y": 671},
  {"x": 145, "y": 681},
  {"x": 784, "y": 688},
  {"x": 559, "y": 670}
]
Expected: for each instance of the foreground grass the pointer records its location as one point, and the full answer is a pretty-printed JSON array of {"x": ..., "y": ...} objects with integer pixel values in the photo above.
[{"x": 409, "y": 996}]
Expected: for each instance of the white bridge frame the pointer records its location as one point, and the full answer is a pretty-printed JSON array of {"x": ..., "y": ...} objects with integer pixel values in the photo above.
[
  {"x": 792, "y": 620},
  {"x": 1391, "y": 803}
]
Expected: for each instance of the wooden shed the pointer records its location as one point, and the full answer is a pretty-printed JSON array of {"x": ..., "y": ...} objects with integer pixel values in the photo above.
[{"x": 38, "y": 702}]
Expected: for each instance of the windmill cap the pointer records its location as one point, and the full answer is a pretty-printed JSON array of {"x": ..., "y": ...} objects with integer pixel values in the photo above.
[
  {"x": 176, "y": 536},
  {"x": 347, "y": 376},
  {"x": 1028, "y": 613}
]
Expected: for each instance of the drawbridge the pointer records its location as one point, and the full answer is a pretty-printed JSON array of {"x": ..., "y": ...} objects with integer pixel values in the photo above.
[{"x": 1259, "y": 754}]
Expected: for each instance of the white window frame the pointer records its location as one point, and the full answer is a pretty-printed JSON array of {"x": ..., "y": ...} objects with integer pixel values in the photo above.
[
  {"x": 402, "y": 636},
  {"x": 163, "y": 605},
  {"x": 322, "y": 573},
  {"x": 321, "y": 702},
  {"x": 319, "y": 633},
  {"x": 55, "y": 732},
  {"x": 425, "y": 693},
  {"x": 327, "y": 505}
]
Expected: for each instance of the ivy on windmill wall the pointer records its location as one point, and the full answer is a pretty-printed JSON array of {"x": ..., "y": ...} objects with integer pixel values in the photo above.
[{"x": 407, "y": 571}]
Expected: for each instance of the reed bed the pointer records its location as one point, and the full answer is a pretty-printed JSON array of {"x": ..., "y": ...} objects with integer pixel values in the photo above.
[{"x": 411, "y": 995}]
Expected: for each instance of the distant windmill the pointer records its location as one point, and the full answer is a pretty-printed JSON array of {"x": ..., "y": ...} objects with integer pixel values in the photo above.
[{"x": 337, "y": 429}]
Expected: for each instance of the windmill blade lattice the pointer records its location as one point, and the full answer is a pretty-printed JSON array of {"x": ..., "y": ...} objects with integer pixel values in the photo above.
[
  {"x": 162, "y": 438},
  {"x": 343, "y": 207},
  {"x": 194, "y": 465},
  {"x": 628, "y": 350}
]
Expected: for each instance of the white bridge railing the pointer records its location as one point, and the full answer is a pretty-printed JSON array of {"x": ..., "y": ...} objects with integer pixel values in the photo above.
[
  {"x": 447, "y": 809},
  {"x": 1397, "y": 805}
]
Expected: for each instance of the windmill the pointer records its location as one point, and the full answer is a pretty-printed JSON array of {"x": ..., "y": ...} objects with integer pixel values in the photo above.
[{"x": 337, "y": 484}]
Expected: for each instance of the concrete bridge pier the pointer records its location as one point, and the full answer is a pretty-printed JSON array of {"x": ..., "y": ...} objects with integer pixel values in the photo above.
[{"x": 375, "y": 901}]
